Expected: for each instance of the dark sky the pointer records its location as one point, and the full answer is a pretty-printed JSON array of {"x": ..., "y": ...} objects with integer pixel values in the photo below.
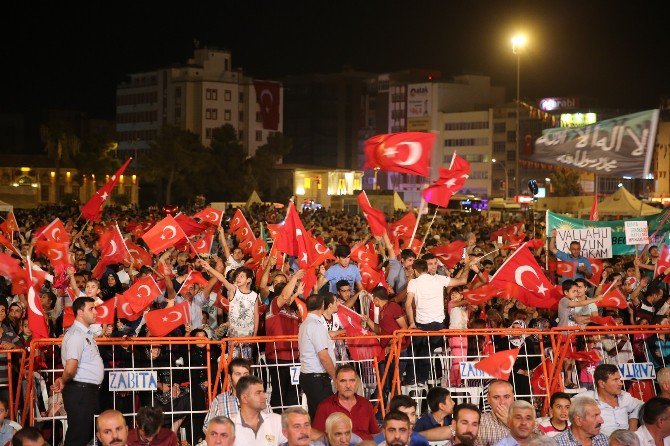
[{"x": 61, "y": 56}]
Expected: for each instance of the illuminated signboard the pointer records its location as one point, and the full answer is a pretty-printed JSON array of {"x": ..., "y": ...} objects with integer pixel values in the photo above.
[
  {"x": 577, "y": 119},
  {"x": 553, "y": 104}
]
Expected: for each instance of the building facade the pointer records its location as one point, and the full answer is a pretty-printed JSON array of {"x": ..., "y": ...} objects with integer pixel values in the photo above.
[{"x": 199, "y": 96}]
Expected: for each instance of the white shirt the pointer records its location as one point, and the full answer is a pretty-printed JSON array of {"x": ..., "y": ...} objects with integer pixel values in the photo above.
[
  {"x": 429, "y": 297},
  {"x": 646, "y": 439},
  {"x": 269, "y": 432},
  {"x": 616, "y": 417}
]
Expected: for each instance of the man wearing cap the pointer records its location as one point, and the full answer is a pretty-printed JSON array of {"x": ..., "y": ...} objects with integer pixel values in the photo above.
[
  {"x": 83, "y": 372},
  {"x": 582, "y": 265}
]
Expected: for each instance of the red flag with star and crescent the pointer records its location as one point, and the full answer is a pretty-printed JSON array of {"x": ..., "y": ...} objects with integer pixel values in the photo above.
[
  {"x": 359, "y": 349},
  {"x": 92, "y": 210},
  {"x": 522, "y": 270},
  {"x": 613, "y": 298},
  {"x": 376, "y": 218},
  {"x": 449, "y": 182},
  {"x": 406, "y": 152},
  {"x": 139, "y": 255},
  {"x": 57, "y": 253},
  {"x": 210, "y": 216},
  {"x": 364, "y": 253},
  {"x": 193, "y": 278},
  {"x": 37, "y": 322},
  {"x": 268, "y": 99},
  {"x": 292, "y": 240},
  {"x": 54, "y": 231},
  {"x": 113, "y": 250},
  {"x": 242, "y": 230},
  {"x": 144, "y": 291},
  {"x": 124, "y": 310},
  {"x": 499, "y": 365},
  {"x": 566, "y": 269},
  {"x": 402, "y": 229},
  {"x": 105, "y": 312},
  {"x": 482, "y": 294},
  {"x": 597, "y": 270},
  {"x": 10, "y": 225},
  {"x": 449, "y": 254},
  {"x": 162, "y": 322},
  {"x": 164, "y": 234}
]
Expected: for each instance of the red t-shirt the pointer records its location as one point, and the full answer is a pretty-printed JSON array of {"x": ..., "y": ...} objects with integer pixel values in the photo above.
[
  {"x": 388, "y": 323},
  {"x": 281, "y": 322},
  {"x": 362, "y": 416}
]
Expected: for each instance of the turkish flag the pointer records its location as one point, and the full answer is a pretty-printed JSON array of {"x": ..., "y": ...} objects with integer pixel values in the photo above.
[
  {"x": 597, "y": 270},
  {"x": 139, "y": 255},
  {"x": 9, "y": 266},
  {"x": 538, "y": 380},
  {"x": 535, "y": 243},
  {"x": 506, "y": 232},
  {"x": 162, "y": 322},
  {"x": 268, "y": 99},
  {"x": 10, "y": 225},
  {"x": 193, "y": 278},
  {"x": 292, "y": 240},
  {"x": 613, "y": 298},
  {"x": 164, "y": 234},
  {"x": 521, "y": 269},
  {"x": 402, "y": 229},
  {"x": 566, "y": 269},
  {"x": 359, "y": 349},
  {"x": 124, "y": 310},
  {"x": 8, "y": 244},
  {"x": 406, "y": 152},
  {"x": 603, "y": 320},
  {"x": 583, "y": 356},
  {"x": 189, "y": 225},
  {"x": 663, "y": 261},
  {"x": 68, "y": 317},
  {"x": 54, "y": 231},
  {"x": 203, "y": 245},
  {"x": 449, "y": 182},
  {"x": 57, "y": 253},
  {"x": 140, "y": 295},
  {"x": 105, "y": 312},
  {"x": 371, "y": 277},
  {"x": 137, "y": 229},
  {"x": 594, "y": 209},
  {"x": 274, "y": 230},
  {"x": 113, "y": 250},
  {"x": 499, "y": 365},
  {"x": 92, "y": 210},
  {"x": 210, "y": 216},
  {"x": 37, "y": 322},
  {"x": 449, "y": 254},
  {"x": 365, "y": 254},
  {"x": 376, "y": 218},
  {"x": 482, "y": 294},
  {"x": 222, "y": 302},
  {"x": 258, "y": 249},
  {"x": 415, "y": 245}
]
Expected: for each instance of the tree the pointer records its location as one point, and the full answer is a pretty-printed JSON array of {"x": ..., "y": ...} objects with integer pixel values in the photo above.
[
  {"x": 174, "y": 159},
  {"x": 226, "y": 174},
  {"x": 265, "y": 158},
  {"x": 97, "y": 156},
  {"x": 61, "y": 145},
  {"x": 565, "y": 183}
]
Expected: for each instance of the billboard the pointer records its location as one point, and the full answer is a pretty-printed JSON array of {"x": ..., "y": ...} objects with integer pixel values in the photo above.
[{"x": 419, "y": 106}]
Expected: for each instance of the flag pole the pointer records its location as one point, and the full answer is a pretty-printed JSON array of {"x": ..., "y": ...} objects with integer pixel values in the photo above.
[
  {"x": 427, "y": 231},
  {"x": 418, "y": 218}
]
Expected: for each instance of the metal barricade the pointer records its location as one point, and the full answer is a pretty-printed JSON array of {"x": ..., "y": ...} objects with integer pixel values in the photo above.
[{"x": 12, "y": 368}]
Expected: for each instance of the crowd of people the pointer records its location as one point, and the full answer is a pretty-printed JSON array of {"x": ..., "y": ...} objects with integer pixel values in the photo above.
[{"x": 242, "y": 296}]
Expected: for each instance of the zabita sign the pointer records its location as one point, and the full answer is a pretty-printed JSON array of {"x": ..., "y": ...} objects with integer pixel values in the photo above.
[
  {"x": 469, "y": 371},
  {"x": 596, "y": 243},
  {"x": 640, "y": 370},
  {"x": 133, "y": 380}
]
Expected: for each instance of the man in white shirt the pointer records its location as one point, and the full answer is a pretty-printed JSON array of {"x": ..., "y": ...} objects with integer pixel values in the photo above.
[
  {"x": 656, "y": 428},
  {"x": 427, "y": 291},
  {"x": 253, "y": 425},
  {"x": 619, "y": 408}
]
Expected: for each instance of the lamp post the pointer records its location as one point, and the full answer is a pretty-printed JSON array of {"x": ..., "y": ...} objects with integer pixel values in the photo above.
[
  {"x": 518, "y": 42},
  {"x": 504, "y": 168}
]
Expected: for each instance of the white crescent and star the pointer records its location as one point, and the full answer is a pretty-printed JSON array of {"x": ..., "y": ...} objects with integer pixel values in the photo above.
[
  {"x": 245, "y": 231},
  {"x": 264, "y": 93},
  {"x": 113, "y": 251},
  {"x": 177, "y": 318},
  {"x": 414, "y": 152},
  {"x": 519, "y": 281},
  {"x": 317, "y": 246},
  {"x": 236, "y": 221},
  {"x": 511, "y": 365},
  {"x": 213, "y": 216},
  {"x": 126, "y": 310},
  {"x": 104, "y": 311},
  {"x": 170, "y": 229},
  {"x": 139, "y": 289},
  {"x": 55, "y": 234},
  {"x": 201, "y": 244},
  {"x": 31, "y": 302},
  {"x": 58, "y": 254},
  {"x": 398, "y": 230}
]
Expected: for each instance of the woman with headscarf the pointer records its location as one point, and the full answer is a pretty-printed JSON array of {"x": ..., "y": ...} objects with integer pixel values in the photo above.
[{"x": 110, "y": 285}]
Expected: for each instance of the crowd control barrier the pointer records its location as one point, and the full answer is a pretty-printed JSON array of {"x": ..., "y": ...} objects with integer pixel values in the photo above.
[
  {"x": 12, "y": 368},
  {"x": 184, "y": 375}
]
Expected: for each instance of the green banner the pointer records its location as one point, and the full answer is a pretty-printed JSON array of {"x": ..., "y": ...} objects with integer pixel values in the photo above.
[{"x": 659, "y": 227}]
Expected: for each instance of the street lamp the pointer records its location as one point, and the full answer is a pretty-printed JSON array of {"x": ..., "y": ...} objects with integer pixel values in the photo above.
[
  {"x": 504, "y": 168},
  {"x": 518, "y": 42}
]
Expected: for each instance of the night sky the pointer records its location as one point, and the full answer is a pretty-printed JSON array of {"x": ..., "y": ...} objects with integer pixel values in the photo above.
[{"x": 56, "y": 55}]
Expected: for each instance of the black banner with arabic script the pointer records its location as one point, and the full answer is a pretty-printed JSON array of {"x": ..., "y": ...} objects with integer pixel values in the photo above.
[{"x": 621, "y": 146}]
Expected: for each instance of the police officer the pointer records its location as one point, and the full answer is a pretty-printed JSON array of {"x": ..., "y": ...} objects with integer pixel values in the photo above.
[{"x": 82, "y": 374}]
